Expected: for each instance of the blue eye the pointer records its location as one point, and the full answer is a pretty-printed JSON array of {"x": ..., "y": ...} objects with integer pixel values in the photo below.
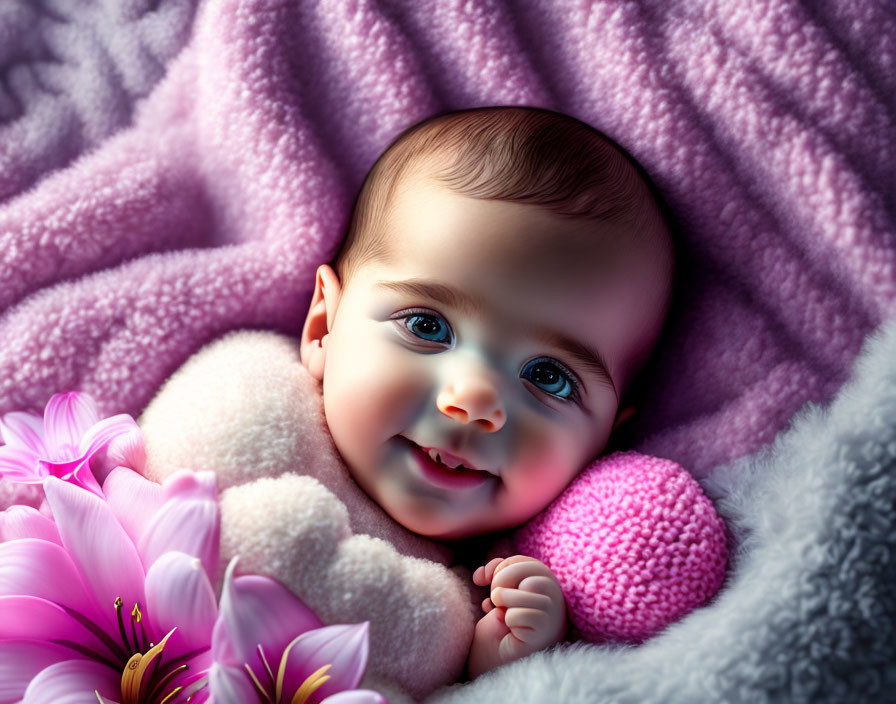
[
  {"x": 428, "y": 327},
  {"x": 547, "y": 374},
  {"x": 551, "y": 378}
]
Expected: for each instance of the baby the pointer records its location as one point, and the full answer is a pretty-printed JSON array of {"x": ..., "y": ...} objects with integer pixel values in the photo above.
[{"x": 505, "y": 276}]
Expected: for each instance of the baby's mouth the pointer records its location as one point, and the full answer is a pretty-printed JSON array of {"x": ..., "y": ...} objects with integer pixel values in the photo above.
[
  {"x": 438, "y": 471},
  {"x": 446, "y": 459}
]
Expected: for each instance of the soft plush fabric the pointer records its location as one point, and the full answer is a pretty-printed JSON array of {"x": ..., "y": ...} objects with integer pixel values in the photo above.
[
  {"x": 768, "y": 126},
  {"x": 140, "y": 227},
  {"x": 245, "y": 408}
]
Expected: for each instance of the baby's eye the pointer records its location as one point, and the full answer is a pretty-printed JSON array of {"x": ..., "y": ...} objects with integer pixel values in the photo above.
[
  {"x": 428, "y": 327},
  {"x": 550, "y": 377}
]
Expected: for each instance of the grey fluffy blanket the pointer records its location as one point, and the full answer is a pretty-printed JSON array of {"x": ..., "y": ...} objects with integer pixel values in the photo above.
[{"x": 809, "y": 609}]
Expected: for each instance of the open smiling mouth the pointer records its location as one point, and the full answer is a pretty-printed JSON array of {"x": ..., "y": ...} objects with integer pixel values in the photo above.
[{"x": 443, "y": 476}]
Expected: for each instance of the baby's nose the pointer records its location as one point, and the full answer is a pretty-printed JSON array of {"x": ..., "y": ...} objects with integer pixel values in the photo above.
[{"x": 473, "y": 400}]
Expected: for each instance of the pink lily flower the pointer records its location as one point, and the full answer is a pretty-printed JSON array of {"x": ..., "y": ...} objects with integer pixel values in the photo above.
[
  {"x": 258, "y": 656},
  {"x": 63, "y": 442},
  {"x": 67, "y": 582},
  {"x": 112, "y": 601}
]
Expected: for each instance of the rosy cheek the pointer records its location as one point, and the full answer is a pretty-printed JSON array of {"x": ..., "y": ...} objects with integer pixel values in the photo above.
[
  {"x": 545, "y": 465},
  {"x": 376, "y": 391}
]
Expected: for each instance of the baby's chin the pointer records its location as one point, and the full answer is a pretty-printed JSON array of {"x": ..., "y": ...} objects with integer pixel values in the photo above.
[{"x": 429, "y": 525}]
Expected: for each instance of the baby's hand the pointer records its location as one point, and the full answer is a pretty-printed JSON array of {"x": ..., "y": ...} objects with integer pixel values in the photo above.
[{"x": 526, "y": 612}]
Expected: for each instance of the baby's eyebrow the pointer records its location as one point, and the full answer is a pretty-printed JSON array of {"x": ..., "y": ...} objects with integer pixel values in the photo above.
[{"x": 589, "y": 358}]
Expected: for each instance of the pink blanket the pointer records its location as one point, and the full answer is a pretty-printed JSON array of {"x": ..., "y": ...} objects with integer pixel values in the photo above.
[{"x": 142, "y": 214}]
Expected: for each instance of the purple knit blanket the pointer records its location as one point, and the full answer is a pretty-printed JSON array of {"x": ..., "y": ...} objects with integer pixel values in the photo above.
[{"x": 170, "y": 172}]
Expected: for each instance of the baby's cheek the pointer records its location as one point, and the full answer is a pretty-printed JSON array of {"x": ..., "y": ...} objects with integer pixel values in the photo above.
[
  {"x": 369, "y": 393},
  {"x": 547, "y": 462},
  {"x": 350, "y": 403}
]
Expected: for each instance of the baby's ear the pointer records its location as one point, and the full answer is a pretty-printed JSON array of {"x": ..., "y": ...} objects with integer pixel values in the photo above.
[{"x": 318, "y": 321}]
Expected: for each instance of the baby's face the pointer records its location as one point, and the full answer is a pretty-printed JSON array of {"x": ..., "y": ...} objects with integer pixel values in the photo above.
[{"x": 499, "y": 336}]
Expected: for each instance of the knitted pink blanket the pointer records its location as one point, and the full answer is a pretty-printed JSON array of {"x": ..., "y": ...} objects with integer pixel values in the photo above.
[{"x": 153, "y": 198}]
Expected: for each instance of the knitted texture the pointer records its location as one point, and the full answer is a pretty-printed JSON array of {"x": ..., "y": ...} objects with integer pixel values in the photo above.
[{"x": 634, "y": 543}]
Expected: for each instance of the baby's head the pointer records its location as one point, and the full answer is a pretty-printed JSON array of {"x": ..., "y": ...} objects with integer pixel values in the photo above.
[{"x": 506, "y": 274}]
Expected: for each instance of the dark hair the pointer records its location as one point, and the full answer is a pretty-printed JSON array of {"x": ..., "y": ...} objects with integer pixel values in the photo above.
[{"x": 516, "y": 154}]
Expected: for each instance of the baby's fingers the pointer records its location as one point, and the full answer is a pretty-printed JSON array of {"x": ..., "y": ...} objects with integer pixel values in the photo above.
[
  {"x": 509, "y": 598},
  {"x": 529, "y": 625},
  {"x": 515, "y": 574},
  {"x": 512, "y": 648},
  {"x": 483, "y": 575}
]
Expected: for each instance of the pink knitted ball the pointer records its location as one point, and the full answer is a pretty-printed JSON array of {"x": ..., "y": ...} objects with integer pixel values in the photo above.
[{"x": 634, "y": 543}]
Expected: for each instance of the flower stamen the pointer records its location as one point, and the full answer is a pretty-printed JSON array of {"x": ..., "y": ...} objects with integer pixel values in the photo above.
[
  {"x": 160, "y": 685},
  {"x": 281, "y": 671},
  {"x": 311, "y": 685},
  {"x": 136, "y": 617},
  {"x": 171, "y": 696},
  {"x": 132, "y": 676},
  {"x": 267, "y": 667},
  {"x": 261, "y": 690},
  {"x": 124, "y": 635}
]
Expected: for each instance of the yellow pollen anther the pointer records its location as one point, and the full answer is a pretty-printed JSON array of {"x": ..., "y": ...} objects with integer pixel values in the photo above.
[{"x": 136, "y": 613}]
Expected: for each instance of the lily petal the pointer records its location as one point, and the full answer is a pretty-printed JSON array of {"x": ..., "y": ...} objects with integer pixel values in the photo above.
[
  {"x": 18, "y": 522},
  {"x": 255, "y": 611},
  {"x": 23, "y": 431},
  {"x": 356, "y": 696},
  {"x": 19, "y": 465},
  {"x": 42, "y": 569},
  {"x": 187, "y": 522},
  {"x": 179, "y": 594},
  {"x": 133, "y": 499},
  {"x": 345, "y": 647},
  {"x": 21, "y": 660},
  {"x": 98, "y": 545},
  {"x": 76, "y": 471},
  {"x": 66, "y": 418},
  {"x": 125, "y": 450},
  {"x": 230, "y": 685},
  {"x": 74, "y": 682},
  {"x": 105, "y": 431},
  {"x": 32, "y": 618}
]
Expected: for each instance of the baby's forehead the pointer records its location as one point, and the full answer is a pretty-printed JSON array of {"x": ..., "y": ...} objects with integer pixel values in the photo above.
[{"x": 428, "y": 222}]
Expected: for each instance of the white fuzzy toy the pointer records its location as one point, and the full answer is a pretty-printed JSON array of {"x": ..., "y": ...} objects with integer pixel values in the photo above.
[{"x": 245, "y": 408}]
